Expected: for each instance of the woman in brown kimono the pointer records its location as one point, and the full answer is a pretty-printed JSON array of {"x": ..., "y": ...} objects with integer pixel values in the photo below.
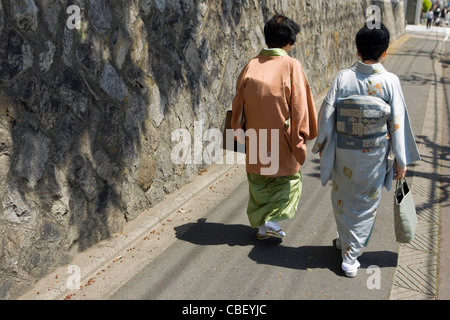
[{"x": 275, "y": 106}]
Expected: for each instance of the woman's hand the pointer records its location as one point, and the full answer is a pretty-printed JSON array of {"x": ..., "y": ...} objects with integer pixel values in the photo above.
[{"x": 401, "y": 172}]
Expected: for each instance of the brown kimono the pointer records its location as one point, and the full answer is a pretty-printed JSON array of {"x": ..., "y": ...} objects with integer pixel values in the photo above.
[{"x": 273, "y": 93}]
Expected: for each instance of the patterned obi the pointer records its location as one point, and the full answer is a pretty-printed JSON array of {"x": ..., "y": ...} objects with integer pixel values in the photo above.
[{"x": 361, "y": 122}]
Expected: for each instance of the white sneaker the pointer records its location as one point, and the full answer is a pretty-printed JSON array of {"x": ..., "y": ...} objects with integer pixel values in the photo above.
[{"x": 351, "y": 270}]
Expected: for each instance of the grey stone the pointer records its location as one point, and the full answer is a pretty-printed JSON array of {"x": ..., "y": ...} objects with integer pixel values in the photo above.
[
  {"x": 5, "y": 141},
  {"x": 46, "y": 57},
  {"x": 5, "y": 286},
  {"x": 121, "y": 49},
  {"x": 161, "y": 5},
  {"x": 81, "y": 175},
  {"x": 113, "y": 84},
  {"x": 156, "y": 106},
  {"x": 107, "y": 169},
  {"x": 25, "y": 14},
  {"x": 1, "y": 19},
  {"x": 135, "y": 115},
  {"x": 89, "y": 54},
  {"x": 137, "y": 202},
  {"x": 72, "y": 91},
  {"x": 68, "y": 129},
  {"x": 109, "y": 132},
  {"x": 15, "y": 56},
  {"x": 51, "y": 9},
  {"x": 5, "y": 165},
  {"x": 67, "y": 47},
  {"x": 16, "y": 208},
  {"x": 33, "y": 153},
  {"x": 100, "y": 15},
  {"x": 49, "y": 233}
]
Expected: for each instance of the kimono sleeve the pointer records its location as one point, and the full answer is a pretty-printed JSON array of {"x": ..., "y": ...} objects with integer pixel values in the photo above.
[
  {"x": 403, "y": 142},
  {"x": 326, "y": 140},
  {"x": 303, "y": 125}
]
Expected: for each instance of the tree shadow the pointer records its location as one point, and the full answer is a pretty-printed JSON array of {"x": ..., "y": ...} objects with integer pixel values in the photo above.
[
  {"x": 272, "y": 251},
  {"x": 440, "y": 188}
]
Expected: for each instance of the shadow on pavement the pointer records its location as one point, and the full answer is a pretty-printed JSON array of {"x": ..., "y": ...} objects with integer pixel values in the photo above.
[{"x": 272, "y": 252}]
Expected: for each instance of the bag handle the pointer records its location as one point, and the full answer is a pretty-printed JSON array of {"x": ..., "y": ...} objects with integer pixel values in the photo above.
[{"x": 401, "y": 184}]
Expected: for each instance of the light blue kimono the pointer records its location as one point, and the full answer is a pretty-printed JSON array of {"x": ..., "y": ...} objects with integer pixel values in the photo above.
[{"x": 363, "y": 125}]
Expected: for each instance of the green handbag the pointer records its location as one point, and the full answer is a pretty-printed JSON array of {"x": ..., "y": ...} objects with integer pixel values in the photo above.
[{"x": 405, "y": 217}]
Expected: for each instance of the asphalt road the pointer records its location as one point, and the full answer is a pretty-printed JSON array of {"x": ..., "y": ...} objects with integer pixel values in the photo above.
[{"x": 219, "y": 258}]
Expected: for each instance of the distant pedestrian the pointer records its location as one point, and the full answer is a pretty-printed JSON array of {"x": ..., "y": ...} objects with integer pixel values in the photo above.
[
  {"x": 430, "y": 17},
  {"x": 273, "y": 97},
  {"x": 437, "y": 17},
  {"x": 363, "y": 126}
]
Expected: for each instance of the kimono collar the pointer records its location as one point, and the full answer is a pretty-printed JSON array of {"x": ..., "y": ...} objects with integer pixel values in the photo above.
[
  {"x": 275, "y": 52},
  {"x": 369, "y": 68}
]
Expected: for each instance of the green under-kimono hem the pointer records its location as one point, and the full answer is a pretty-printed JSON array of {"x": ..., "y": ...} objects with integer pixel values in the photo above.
[{"x": 273, "y": 198}]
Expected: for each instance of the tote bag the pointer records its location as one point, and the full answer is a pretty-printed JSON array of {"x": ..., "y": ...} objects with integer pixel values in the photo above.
[{"x": 405, "y": 217}]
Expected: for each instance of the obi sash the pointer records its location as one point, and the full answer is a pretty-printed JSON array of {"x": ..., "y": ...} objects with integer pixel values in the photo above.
[{"x": 361, "y": 122}]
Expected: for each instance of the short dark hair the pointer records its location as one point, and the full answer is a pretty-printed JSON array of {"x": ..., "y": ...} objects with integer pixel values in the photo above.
[
  {"x": 372, "y": 43},
  {"x": 280, "y": 31}
]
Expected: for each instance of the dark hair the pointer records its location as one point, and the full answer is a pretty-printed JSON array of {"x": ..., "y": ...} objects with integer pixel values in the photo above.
[
  {"x": 280, "y": 31},
  {"x": 372, "y": 43}
]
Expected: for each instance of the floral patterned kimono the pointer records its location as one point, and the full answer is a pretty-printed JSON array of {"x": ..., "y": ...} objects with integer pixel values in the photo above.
[{"x": 363, "y": 125}]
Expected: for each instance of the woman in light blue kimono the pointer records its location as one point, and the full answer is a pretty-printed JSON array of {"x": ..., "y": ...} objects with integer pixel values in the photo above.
[{"x": 363, "y": 127}]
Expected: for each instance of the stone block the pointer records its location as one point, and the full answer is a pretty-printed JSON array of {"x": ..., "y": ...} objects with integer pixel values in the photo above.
[
  {"x": 113, "y": 84},
  {"x": 25, "y": 14}
]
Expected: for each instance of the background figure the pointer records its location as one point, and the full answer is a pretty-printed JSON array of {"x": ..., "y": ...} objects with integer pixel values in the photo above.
[
  {"x": 430, "y": 17},
  {"x": 273, "y": 101},
  {"x": 437, "y": 17},
  {"x": 363, "y": 125}
]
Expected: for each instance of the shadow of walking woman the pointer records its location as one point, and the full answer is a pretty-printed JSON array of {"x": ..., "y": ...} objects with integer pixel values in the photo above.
[{"x": 272, "y": 252}]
